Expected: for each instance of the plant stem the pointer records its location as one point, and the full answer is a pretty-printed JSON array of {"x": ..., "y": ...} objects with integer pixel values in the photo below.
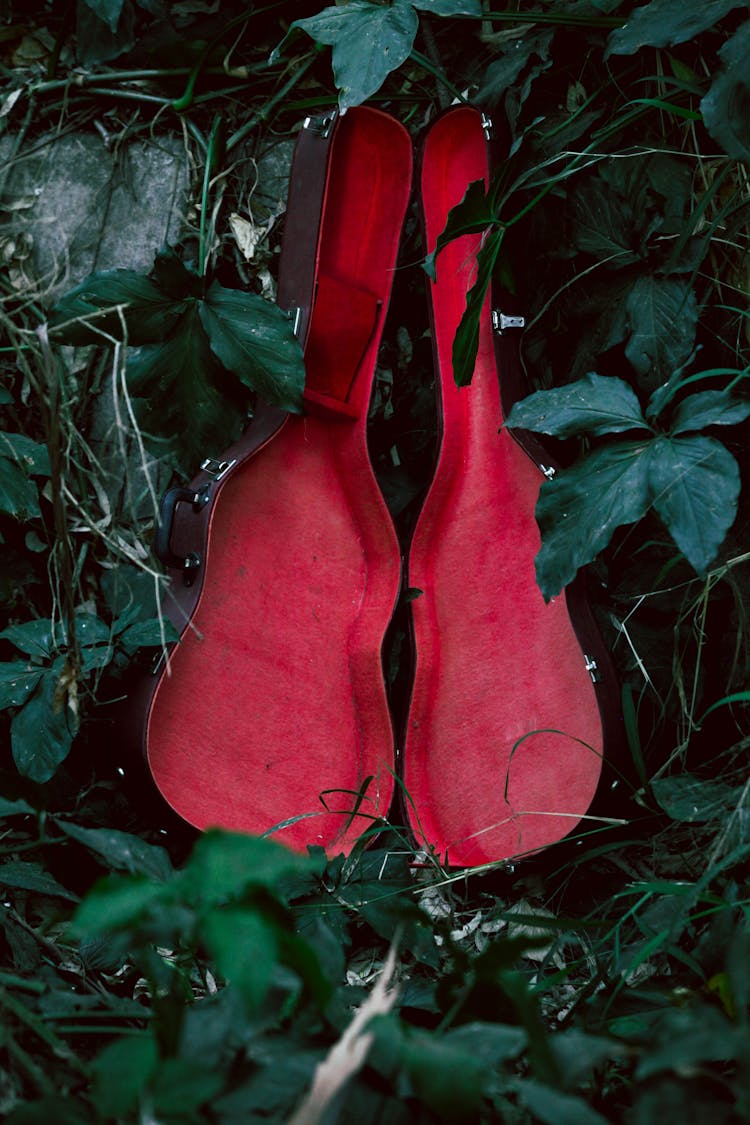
[
  {"x": 212, "y": 159},
  {"x": 265, "y": 113}
]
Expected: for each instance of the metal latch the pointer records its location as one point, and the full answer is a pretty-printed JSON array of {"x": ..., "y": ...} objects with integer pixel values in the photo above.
[
  {"x": 216, "y": 469},
  {"x": 321, "y": 125},
  {"x": 548, "y": 471},
  {"x": 501, "y": 323},
  {"x": 592, "y": 668},
  {"x": 487, "y": 126},
  {"x": 295, "y": 312}
]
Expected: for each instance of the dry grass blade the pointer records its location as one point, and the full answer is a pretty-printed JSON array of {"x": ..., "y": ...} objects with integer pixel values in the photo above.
[{"x": 348, "y": 1055}]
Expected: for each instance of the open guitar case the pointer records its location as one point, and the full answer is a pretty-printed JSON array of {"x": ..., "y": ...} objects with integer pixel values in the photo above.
[{"x": 270, "y": 714}]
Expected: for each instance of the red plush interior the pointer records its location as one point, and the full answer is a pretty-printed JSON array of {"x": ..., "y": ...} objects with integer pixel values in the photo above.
[
  {"x": 275, "y": 708},
  {"x": 504, "y": 740}
]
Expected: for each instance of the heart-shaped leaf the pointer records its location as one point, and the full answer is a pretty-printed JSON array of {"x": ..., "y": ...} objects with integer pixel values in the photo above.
[{"x": 369, "y": 41}]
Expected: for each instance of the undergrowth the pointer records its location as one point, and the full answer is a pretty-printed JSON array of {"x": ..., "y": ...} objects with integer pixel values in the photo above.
[{"x": 151, "y": 976}]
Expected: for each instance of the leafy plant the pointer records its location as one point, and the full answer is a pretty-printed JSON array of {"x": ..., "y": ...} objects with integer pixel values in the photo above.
[{"x": 691, "y": 479}]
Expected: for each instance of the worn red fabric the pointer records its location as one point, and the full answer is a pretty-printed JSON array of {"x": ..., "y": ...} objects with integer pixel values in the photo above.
[
  {"x": 504, "y": 741},
  {"x": 275, "y": 708}
]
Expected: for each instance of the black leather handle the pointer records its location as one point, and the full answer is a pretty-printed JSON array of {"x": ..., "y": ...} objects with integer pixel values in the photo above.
[{"x": 162, "y": 541}]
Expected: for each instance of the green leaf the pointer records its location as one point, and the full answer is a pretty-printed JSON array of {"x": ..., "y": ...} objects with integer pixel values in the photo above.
[
  {"x": 245, "y": 947},
  {"x": 224, "y": 865},
  {"x": 709, "y": 408},
  {"x": 466, "y": 341},
  {"x": 122, "y": 851},
  {"x": 31, "y": 456},
  {"x": 15, "y": 808},
  {"x": 38, "y": 638},
  {"x": 42, "y": 732},
  {"x": 664, "y": 23},
  {"x": 662, "y": 317},
  {"x": 147, "y": 312},
  {"x": 503, "y": 72},
  {"x": 108, "y": 11},
  {"x": 17, "y": 681},
  {"x": 116, "y": 902},
  {"x": 368, "y": 40},
  {"x": 18, "y": 495},
  {"x": 553, "y": 1107},
  {"x": 695, "y": 483},
  {"x": 181, "y": 1086},
  {"x": 446, "y": 1077},
  {"x": 146, "y": 634},
  {"x": 695, "y": 800},
  {"x": 179, "y": 387},
  {"x": 579, "y": 510},
  {"x": 691, "y": 1037},
  {"x": 121, "y": 1073},
  {"x": 725, "y": 106},
  {"x": 596, "y": 404},
  {"x": 254, "y": 339},
  {"x": 449, "y": 7},
  {"x": 472, "y": 215},
  {"x": 608, "y": 223},
  {"x": 33, "y": 877}
]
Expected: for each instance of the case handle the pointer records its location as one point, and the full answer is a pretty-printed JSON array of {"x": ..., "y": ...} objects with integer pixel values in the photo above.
[{"x": 191, "y": 562}]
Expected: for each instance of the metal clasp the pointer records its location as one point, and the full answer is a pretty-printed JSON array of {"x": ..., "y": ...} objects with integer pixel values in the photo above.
[
  {"x": 295, "y": 313},
  {"x": 592, "y": 668},
  {"x": 501, "y": 323},
  {"x": 487, "y": 126},
  {"x": 216, "y": 469},
  {"x": 321, "y": 125},
  {"x": 548, "y": 471}
]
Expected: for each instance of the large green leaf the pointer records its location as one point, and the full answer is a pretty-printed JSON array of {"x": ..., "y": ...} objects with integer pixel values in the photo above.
[
  {"x": 38, "y": 638},
  {"x": 179, "y": 388},
  {"x": 122, "y": 851},
  {"x": 245, "y": 946},
  {"x": 609, "y": 223},
  {"x": 695, "y": 800},
  {"x": 579, "y": 510},
  {"x": 368, "y": 40},
  {"x": 108, "y": 11},
  {"x": 255, "y": 340},
  {"x": 596, "y": 404},
  {"x": 18, "y": 495},
  {"x": 42, "y": 731},
  {"x": 32, "y": 877},
  {"x": 472, "y": 215},
  {"x": 466, "y": 340},
  {"x": 554, "y": 1107},
  {"x": 450, "y": 7},
  {"x": 663, "y": 23},
  {"x": 31, "y": 456},
  {"x": 115, "y": 903},
  {"x": 17, "y": 681},
  {"x": 662, "y": 317},
  {"x": 121, "y": 1072},
  {"x": 695, "y": 483},
  {"x": 224, "y": 865},
  {"x": 709, "y": 408},
  {"x": 88, "y": 313},
  {"x": 725, "y": 106}
]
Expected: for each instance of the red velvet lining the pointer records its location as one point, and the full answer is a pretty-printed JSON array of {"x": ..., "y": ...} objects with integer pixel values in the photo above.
[
  {"x": 504, "y": 741},
  {"x": 343, "y": 322},
  {"x": 276, "y": 692}
]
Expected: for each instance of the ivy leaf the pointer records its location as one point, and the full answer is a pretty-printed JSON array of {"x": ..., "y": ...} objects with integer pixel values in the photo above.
[
  {"x": 369, "y": 41},
  {"x": 179, "y": 384},
  {"x": 148, "y": 313},
  {"x": 42, "y": 732},
  {"x": 466, "y": 340},
  {"x": 695, "y": 483},
  {"x": 662, "y": 318},
  {"x": 664, "y": 23},
  {"x": 596, "y": 404},
  {"x": 725, "y": 106},
  {"x": 472, "y": 215},
  {"x": 255, "y": 339},
  {"x": 709, "y": 408},
  {"x": 17, "y": 681},
  {"x": 579, "y": 510}
]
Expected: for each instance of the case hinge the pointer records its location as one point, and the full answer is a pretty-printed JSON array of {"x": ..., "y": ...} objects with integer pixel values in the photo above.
[
  {"x": 501, "y": 323},
  {"x": 216, "y": 469},
  {"x": 321, "y": 125},
  {"x": 592, "y": 668},
  {"x": 487, "y": 126}
]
